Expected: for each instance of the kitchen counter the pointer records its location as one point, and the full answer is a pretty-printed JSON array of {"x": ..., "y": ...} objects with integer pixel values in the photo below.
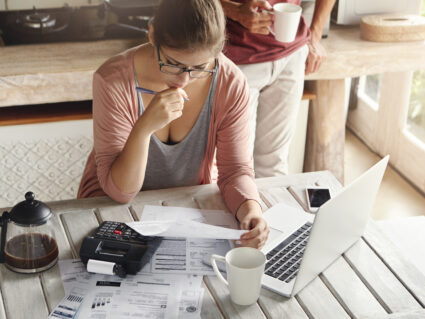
[
  {"x": 56, "y": 72},
  {"x": 60, "y": 72},
  {"x": 349, "y": 56}
]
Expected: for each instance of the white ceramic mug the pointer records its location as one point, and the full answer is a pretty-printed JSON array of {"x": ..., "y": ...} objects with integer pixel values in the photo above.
[
  {"x": 245, "y": 268},
  {"x": 286, "y": 20}
]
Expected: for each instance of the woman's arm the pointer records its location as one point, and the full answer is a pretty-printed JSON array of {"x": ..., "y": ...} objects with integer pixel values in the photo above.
[
  {"x": 234, "y": 161},
  {"x": 317, "y": 53},
  {"x": 121, "y": 145},
  {"x": 128, "y": 170}
]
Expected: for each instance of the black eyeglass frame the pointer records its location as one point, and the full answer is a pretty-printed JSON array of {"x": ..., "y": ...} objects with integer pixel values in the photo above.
[{"x": 185, "y": 69}]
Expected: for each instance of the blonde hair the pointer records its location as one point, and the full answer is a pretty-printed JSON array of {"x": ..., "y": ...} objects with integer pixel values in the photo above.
[{"x": 190, "y": 24}]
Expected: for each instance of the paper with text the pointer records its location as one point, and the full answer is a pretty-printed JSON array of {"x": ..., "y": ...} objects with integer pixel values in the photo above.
[{"x": 167, "y": 221}]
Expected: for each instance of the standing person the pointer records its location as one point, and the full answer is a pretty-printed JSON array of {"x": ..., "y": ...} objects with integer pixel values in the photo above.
[
  {"x": 161, "y": 110},
  {"x": 275, "y": 73}
]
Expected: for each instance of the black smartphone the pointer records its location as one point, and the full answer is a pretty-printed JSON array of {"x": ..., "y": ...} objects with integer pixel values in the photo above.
[{"x": 316, "y": 197}]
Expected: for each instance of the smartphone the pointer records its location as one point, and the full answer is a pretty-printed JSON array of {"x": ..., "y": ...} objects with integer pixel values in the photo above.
[{"x": 316, "y": 197}]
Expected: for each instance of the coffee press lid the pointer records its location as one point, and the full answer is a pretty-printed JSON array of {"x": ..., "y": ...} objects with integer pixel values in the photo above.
[{"x": 30, "y": 211}]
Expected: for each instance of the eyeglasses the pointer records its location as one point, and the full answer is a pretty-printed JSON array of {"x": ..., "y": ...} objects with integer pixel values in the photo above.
[{"x": 176, "y": 70}]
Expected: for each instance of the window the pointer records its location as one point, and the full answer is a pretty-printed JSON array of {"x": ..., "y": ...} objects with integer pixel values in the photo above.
[
  {"x": 389, "y": 116},
  {"x": 416, "y": 113},
  {"x": 372, "y": 87},
  {"x": 369, "y": 90}
]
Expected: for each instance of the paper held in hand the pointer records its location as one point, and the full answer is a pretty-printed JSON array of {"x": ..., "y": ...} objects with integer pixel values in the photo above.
[{"x": 184, "y": 228}]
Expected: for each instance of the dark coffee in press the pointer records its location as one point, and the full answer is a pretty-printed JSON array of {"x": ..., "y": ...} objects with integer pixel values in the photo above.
[{"x": 31, "y": 251}]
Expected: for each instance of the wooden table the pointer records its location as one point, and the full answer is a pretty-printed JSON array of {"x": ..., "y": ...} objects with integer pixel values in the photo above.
[{"x": 371, "y": 280}]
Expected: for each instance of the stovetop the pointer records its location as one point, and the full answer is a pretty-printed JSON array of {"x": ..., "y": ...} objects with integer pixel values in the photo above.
[{"x": 74, "y": 24}]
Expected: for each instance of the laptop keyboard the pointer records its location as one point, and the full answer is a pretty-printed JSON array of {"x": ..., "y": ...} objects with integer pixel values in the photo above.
[{"x": 284, "y": 260}]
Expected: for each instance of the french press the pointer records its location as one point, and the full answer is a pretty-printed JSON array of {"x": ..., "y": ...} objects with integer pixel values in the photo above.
[{"x": 28, "y": 243}]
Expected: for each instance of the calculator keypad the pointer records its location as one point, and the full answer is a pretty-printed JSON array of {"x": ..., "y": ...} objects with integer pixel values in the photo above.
[{"x": 121, "y": 232}]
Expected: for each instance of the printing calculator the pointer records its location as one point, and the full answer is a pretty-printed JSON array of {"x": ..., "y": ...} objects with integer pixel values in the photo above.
[{"x": 115, "y": 242}]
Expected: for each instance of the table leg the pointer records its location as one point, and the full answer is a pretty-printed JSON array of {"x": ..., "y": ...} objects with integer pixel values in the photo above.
[{"x": 326, "y": 128}]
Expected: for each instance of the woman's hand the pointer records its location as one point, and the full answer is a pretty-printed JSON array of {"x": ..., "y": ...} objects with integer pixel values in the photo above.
[
  {"x": 251, "y": 218},
  {"x": 165, "y": 107}
]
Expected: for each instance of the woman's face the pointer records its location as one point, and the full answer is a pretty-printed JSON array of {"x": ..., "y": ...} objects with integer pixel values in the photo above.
[{"x": 198, "y": 60}]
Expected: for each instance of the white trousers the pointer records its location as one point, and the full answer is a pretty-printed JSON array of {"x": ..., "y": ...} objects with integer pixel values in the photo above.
[{"x": 276, "y": 89}]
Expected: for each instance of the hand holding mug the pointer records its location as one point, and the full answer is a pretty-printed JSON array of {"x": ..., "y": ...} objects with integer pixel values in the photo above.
[
  {"x": 286, "y": 21},
  {"x": 251, "y": 16}
]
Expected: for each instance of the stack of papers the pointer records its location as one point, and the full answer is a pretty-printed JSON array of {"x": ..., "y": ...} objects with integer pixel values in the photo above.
[
  {"x": 169, "y": 285},
  {"x": 145, "y": 295}
]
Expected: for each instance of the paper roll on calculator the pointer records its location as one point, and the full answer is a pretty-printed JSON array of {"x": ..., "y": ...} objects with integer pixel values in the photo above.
[{"x": 100, "y": 267}]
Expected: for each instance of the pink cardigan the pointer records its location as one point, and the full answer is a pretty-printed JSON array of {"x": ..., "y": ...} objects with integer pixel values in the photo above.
[{"x": 115, "y": 112}]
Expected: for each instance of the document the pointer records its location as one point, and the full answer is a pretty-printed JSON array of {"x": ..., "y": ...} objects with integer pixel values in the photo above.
[
  {"x": 177, "y": 255},
  {"x": 191, "y": 303},
  {"x": 206, "y": 216},
  {"x": 276, "y": 214},
  {"x": 69, "y": 306},
  {"x": 138, "y": 296},
  {"x": 167, "y": 221},
  {"x": 191, "y": 296},
  {"x": 184, "y": 229},
  {"x": 75, "y": 275},
  {"x": 144, "y": 295},
  {"x": 184, "y": 256}
]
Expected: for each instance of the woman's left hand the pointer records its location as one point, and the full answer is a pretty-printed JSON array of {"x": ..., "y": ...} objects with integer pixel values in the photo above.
[{"x": 251, "y": 218}]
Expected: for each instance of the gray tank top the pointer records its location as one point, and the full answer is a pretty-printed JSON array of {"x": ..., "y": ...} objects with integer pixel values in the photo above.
[{"x": 174, "y": 165}]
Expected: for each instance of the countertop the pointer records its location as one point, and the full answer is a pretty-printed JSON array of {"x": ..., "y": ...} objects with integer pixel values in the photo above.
[{"x": 60, "y": 72}]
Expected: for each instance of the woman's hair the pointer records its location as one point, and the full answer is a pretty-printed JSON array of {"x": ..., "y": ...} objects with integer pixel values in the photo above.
[{"x": 190, "y": 24}]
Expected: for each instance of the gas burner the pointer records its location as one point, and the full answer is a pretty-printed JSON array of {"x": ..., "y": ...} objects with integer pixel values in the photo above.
[
  {"x": 118, "y": 19},
  {"x": 39, "y": 20}
]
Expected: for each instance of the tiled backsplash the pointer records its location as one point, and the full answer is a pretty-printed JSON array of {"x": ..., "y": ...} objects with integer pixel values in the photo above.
[{"x": 49, "y": 163}]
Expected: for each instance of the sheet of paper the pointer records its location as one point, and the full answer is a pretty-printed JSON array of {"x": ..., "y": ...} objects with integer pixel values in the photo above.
[
  {"x": 138, "y": 296},
  {"x": 191, "y": 298},
  {"x": 190, "y": 305},
  {"x": 74, "y": 275},
  {"x": 185, "y": 222},
  {"x": 69, "y": 305},
  {"x": 277, "y": 217},
  {"x": 96, "y": 305},
  {"x": 144, "y": 295},
  {"x": 181, "y": 255},
  {"x": 184, "y": 256},
  {"x": 207, "y": 216},
  {"x": 184, "y": 229}
]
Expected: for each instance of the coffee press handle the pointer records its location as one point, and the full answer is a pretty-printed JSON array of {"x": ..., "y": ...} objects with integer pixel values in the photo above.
[
  {"x": 214, "y": 265},
  {"x": 4, "y": 221}
]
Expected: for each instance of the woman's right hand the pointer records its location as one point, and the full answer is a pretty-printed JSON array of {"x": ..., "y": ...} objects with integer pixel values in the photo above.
[{"x": 165, "y": 107}]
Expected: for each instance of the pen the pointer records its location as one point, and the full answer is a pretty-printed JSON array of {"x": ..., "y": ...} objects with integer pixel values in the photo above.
[{"x": 147, "y": 91}]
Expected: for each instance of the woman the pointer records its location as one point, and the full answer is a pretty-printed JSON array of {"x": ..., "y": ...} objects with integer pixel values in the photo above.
[{"x": 161, "y": 111}]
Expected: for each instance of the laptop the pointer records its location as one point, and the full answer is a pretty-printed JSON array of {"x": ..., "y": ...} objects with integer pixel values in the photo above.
[{"x": 302, "y": 245}]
